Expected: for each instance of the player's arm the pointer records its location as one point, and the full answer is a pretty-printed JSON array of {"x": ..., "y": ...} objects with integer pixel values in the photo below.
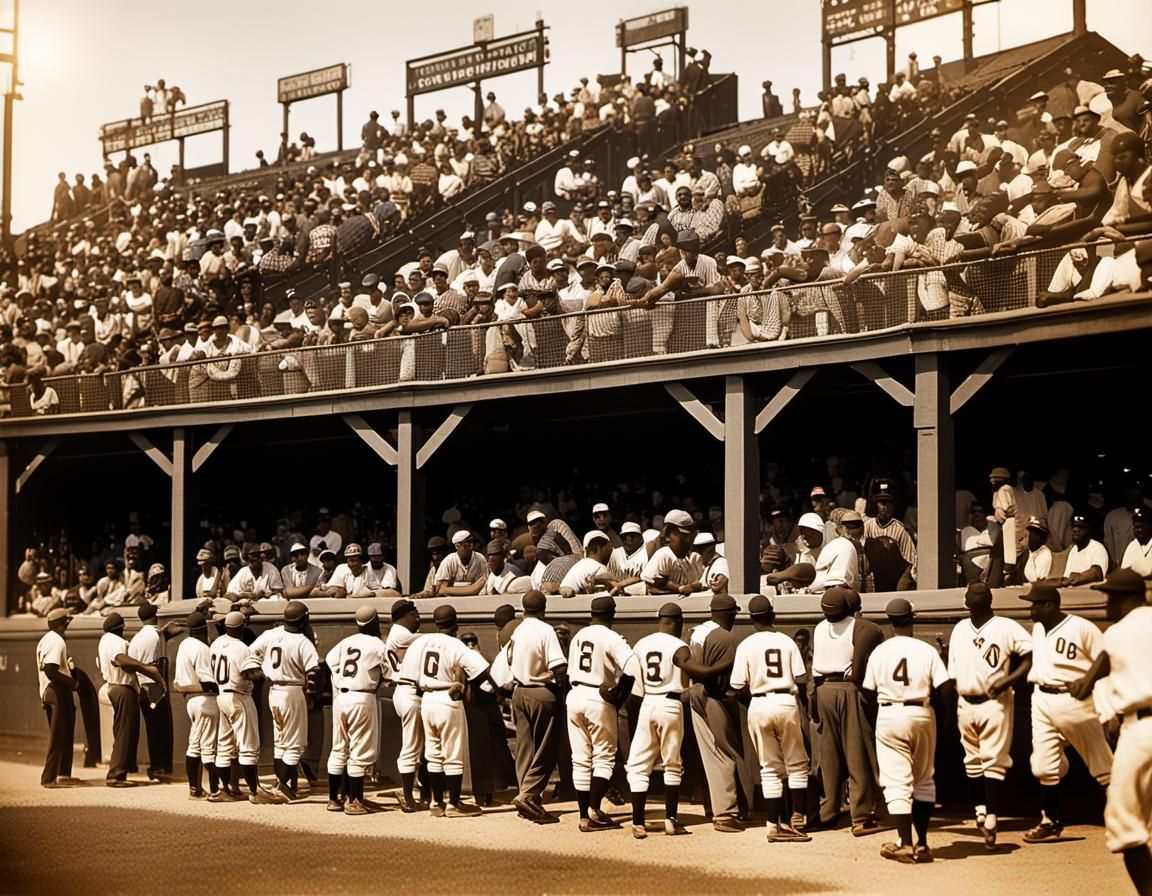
[
  {"x": 1019, "y": 673},
  {"x": 463, "y": 590},
  {"x": 619, "y": 586},
  {"x": 1101, "y": 667},
  {"x": 128, "y": 664},
  {"x": 629, "y": 670},
  {"x": 53, "y": 674},
  {"x": 798, "y": 573}
]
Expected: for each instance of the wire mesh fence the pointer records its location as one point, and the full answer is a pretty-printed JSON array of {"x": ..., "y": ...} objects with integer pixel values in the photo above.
[{"x": 623, "y": 327}]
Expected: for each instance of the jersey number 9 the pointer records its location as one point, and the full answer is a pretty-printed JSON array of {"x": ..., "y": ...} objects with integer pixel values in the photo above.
[{"x": 773, "y": 662}]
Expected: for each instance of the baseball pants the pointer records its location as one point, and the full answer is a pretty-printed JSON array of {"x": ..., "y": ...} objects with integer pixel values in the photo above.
[
  {"x": 289, "y": 722},
  {"x": 774, "y": 726},
  {"x": 720, "y": 742},
  {"x": 158, "y": 729},
  {"x": 407, "y": 703},
  {"x": 125, "y": 730},
  {"x": 1128, "y": 815},
  {"x": 204, "y": 721},
  {"x": 592, "y": 732},
  {"x": 238, "y": 735},
  {"x": 906, "y": 751},
  {"x": 61, "y": 712},
  {"x": 986, "y": 733},
  {"x": 354, "y": 739},
  {"x": 445, "y": 734},
  {"x": 537, "y": 734},
  {"x": 1060, "y": 721},
  {"x": 657, "y": 735},
  {"x": 845, "y": 744}
]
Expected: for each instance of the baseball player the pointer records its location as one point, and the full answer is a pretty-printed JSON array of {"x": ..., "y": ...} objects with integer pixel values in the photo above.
[
  {"x": 1127, "y": 692},
  {"x": 659, "y": 728},
  {"x": 902, "y": 672},
  {"x": 358, "y": 664},
  {"x": 238, "y": 734},
  {"x": 1064, "y": 647},
  {"x": 119, "y": 670},
  {"x": 194, "y": 679},
  {"x": 602, "y": 669},
  {"x": 289, "y": 661},
  {"x": 980, "y": 652},
  {"x": 56, "y": 684},
  {"x": 769, "y": 665},
  {"x": 441, "y": 665},
  {"x": 406, "y": 700}
]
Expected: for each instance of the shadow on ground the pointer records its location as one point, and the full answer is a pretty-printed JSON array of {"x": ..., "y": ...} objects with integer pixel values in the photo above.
[{"x": 35, "y": 857}]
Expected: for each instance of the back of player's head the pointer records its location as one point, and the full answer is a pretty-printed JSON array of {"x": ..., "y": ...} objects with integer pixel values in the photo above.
[
  {"x": 234, "y": 621},
  {"x": 534, "y": 603},
  {"x": 978, "y": 594},
  {"x": 900, "y": 611},
  {"x": 113, "y": 622},
  {"x": 503, "y": 614},
  {"x": 402, "y": 608},
  {"x": 834, "y": 603},
  {"x": 761, "y": 609},
  {"x": 366, "y": 615},
  {"x": 197, "y": 622},
  {"x": 295, "y": 612},
  {"x": 146, "y": 612},
  {"x": 444, "y": 616},
  {"x": 604, "y": 606}
]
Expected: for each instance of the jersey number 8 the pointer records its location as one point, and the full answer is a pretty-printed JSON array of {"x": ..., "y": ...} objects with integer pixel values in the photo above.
[
  {"x": 1066, "y": 648},
  {"x": 351, "y": 662},
  {"x": 585, "y": 661}
]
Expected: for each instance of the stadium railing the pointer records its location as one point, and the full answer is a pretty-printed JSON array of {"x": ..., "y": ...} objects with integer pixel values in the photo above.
[{"x": 822, "y": 310}]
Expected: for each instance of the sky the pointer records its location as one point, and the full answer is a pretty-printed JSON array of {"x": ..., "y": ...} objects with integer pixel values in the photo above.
[{"x": 84, "y": 63}]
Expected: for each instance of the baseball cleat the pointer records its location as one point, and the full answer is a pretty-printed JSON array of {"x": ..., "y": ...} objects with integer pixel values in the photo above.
[
  {"x": 1044, "y": 832},
  {"x": 264, "y": 797},
  {"x": 798, "y": 822},
  {"x": 406, "y": 804},
  {"x": 373, "y": 806},
  {"x": 462, "y": 810},
  {"x": 615, "y": 797},
  {"x": 196, "y": 794},
  {"x": 785, "y": 834},
  {"x": 69, "y": 781},
  {"x": 224, "y": 796},
  {"x": 728, "y": 825},
  {"x": 355, "y": 807},
  {"x": 335, "y": 806},
  {"x": 903, "y": 854},
  {"x": 870, "y": 826},
  {"x": 989, "y": 835},
  {"x": 922, "y": 854},
  {"x": 591, "y": 825},
  {"x": 116, "y": 782},
  {"x": 638, "y": 832},
  {"x": 673, "y": 828},
  {"x": 436, "y": 810}
]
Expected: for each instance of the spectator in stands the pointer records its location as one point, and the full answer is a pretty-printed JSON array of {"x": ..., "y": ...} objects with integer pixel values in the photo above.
[{"x": 771, "y": 102}]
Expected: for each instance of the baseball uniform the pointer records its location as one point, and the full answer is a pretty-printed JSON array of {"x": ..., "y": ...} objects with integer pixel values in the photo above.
[
  {"x": 1128, "y": 691},
  {"x": 194, "y": 665},
  {"x": 1060, "y": 656},
  {"x": 123, "y": 692},
  {"x": 405, "y": 699},
  {"x": 769, "y": 664},
  {"x": 659, "y": 729},
  {"x": 266, "y": 586},
  {"x": 435, "y": 661},
  {"x": 147, "y": 647},
  {"x": 57, "y": 702},
  {"x": 286, "y": 658},
  {"x": 238, "y": 734},
  {"x": 596, "y": 657},
  {"x": 903, "y": 671},
  {"x": 358, "y": 664},
  {"x": 976, "y": 658}
]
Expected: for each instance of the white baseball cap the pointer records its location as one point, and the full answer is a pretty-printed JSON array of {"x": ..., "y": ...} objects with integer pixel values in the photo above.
[
  {"x": 594, "y": 535},
  {"x": 965, "y": 166},
  {"x": 535, "y": 515},
  {"x": 631, "y": 528},
  {"x": 679, "y": 518},
  {"x": 297, "y": 547},
  {"x": 498, "y": 524},
  {"x": 461, "y": 535},
  {"x": 704, "y": 538},
  {"x": 650, "y": 535},
  {"x": 600, "y": 508},
  {"x": 811, "y": 521}
]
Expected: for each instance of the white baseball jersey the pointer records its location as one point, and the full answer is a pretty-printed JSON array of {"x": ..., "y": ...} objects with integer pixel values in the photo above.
[
  {"x": 385, "y": 577},
  {"x": 626, "y": 564},
  {"x": 193, "y": 665},
  {"x": 1129, "y": 683},
  {"x": 500, "y": 582},
  {"x": 51, "y": 649},
  {"x": 658, "y": 674},
  {"x": 145, "y": 647},
  {"x": 358, "y": 663},
  {"x": 357, "y": 585},
  {"x": 581, "y": 578},
  {"x": 285, "y": 657},
  {"x": 111, "y": 646},
  {"x": 976, "y": 656},
  {"x": 676, "y": 570},
  {"x": 268, "y": 582},
  {"x": 718, "y": 567},
  {"x": 832, "y": 647},
  {"x": 439, "y": 659},
  {"x": 1064, "y": 654},
  {"x": 299, "y": 578},
  {"x": 597, "y": 656},
  {"x": 396, "y": 646},
  {"x": 454, "y": 571},
  {"x": 533, "y": 652},
  {"x": 903, "y": 669},
  {"x": 230, "y": 657},
  {"x": 1094, "y": 554},
  {"x": 767, "y": 662}
]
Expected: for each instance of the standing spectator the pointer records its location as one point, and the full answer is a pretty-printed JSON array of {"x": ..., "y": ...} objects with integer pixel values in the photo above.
[
  {"x": 772, "y": 107},
  {"x": 62, "y": 204}
]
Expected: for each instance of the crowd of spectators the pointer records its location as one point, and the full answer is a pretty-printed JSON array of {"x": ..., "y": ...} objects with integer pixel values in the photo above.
[{"x": 854, "y": 526}]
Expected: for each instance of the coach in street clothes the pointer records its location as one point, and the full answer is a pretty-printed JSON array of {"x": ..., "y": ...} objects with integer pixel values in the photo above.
[{"x": 56, "y": 686}]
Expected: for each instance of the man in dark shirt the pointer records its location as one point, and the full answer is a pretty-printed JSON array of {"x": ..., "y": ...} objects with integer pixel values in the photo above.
[{"x": 168, "y": 302}]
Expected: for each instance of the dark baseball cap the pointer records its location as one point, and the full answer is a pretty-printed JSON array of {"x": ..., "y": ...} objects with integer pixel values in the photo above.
[
  {"x": 402, "y": 608},
  {"x": 671, "y": 611},
  {"x": 1041, "y": 592},
  {"x": 534, "y": 601},
  {"x": 723, "y": 602},
  {"x": 113, "y": 621},
  {"x": 1122, "y": 581},
  {"x": 760, "y": 606},
  {"x": 899, "y": 608},
  {"x": 604, "y": 604},
  {"x": 444, "y": 616}
]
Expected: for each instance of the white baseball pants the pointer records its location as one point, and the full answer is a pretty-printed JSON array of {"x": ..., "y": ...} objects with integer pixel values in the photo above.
[
  {"x": 204, "y": 717},
  {"x": 906, "y": 753},
  {"x": 774, "y": 725},
  {"x": 407, "y": 704},
  {"x": 289, "y": 722},
  {"x": 1059, "y": 721},
  {"x": 657, "y": 735},
  {"x": 354, "y": 740},
  {"x": 1128, "y": 815},
  {"x": 238, "y": 735},
  {"x": 445, "y": 734},
  {"x": 986, "y": 733},
  {"x": 592, "y": 727}
]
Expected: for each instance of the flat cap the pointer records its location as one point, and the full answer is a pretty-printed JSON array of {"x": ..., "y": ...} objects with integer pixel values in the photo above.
[{"x": 460, "y": 536}]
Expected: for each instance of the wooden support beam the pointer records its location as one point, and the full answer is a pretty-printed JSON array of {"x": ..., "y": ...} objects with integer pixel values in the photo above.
[
  {"x": 443, "y": 431},
  {"x": 206, "y": 450},
  {"x": 935, "y": 475},
  {"x": 179, "y": 513},
  {"x": 157, "y": 456},
  {"x": 372, "y": 439},
  {"x": 34, "y": 464},
  {"x": 896, "y": 390},
  {"x": 5, "y": 512},
  {"x": 741, "y": 488},
  {"x": 411, "y": 560},
  {"x": 781, "y": 399},
  {"x": 979, "y": 378},
  {"x": 699, "y": 411}
]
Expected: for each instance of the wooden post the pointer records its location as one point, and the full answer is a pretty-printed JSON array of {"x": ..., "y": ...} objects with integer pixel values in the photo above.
[
  {"x": 935, "y": 473},
  {"x": 340, "y": 120},
  {"x": 410, "y": 554},
  {"x": 5, "y": 505},
  {"x": 179, "y": 515},
  {"x": 1079, "y": 17},
  {"x": 741, "y": 488},
  {"x": 967, "y": 29}
]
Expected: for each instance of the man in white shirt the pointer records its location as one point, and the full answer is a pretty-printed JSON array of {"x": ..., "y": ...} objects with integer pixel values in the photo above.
[
  {"x": 462, "y": 572},
  {"x": 257, "y": 581},
  {"x": 147, "y": 647},
  {"x": 350, "y": 578},
  {"x": 406, "y": 700},
  {"x": 674, "y": 568},
  {"x": 589, "y": 573},
  {"x": 56, "y": 684},
  {"x": 534, "y": 663},
  {"x": 839, "y": 560},
  {"x": 1087, "y": 558},
  {"x": 628, "y": 561},
  {"x": 745, "y": 176},
  {"x": 500, "y": 574},
  {"x": 1138, "y": 552},
  {"x": 193, "y": 677},
  {"x": 1036, "y": 560},
  {"x": 382, "y": 575},
  {"x": 778, "y": 145},
  {"x": 300, "y": 576},
  {"x": 119, "y": 671}
]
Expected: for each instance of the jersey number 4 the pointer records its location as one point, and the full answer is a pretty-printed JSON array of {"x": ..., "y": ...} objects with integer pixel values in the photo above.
[{"x": 900, "y": 673}]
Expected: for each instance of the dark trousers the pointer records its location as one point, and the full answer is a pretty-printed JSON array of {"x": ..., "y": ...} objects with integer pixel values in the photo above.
[
  {"x": 89, "y": 701},
  {"x": 61, "y": 731},
  {"x": 158, "y": 728},
  {"x": 534, "y": 712},
  {"x": 846, "y": 745},
  {"x": 125, "y": 730}
]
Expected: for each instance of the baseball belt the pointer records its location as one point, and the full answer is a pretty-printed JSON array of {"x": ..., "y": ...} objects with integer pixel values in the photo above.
[
  {"x": 357, "y": 690},
  {"x": 835, "y": 676},
  {"x": 975, "y": 698},
  {"x": 1142, "y": 713},
  {"x": 774, "y": 691},
  {"x": 1049, "y": 689},
  {"x": 906, "y": 703}
]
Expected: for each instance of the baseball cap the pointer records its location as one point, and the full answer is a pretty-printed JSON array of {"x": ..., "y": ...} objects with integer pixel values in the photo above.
[
  {"x": 495, "y": 546},
  {"x": 534, "y": 601},
  {"x": 57, "y": 614},
  {"x": 723, "y": 602},
  {"x": 851, "y": 516},
  {"x": 402, "y": 608},
  {"x": 498, "y": 524},
  {"x": 203, "y": 554},
  {"x": 680, "y": 518},
  {"x": 1079, "y": 520},
  {"x": 444, "y": 616},
  {"x": 899, "y": 608},
  {"x": 156, "y": 569},
  {"x": 234, "y": 619},
  {"x": 534, "y": 515},
  {"x": 834, "y": 600},
  {"x": 703, "y": 538},
  {"x": 600, "y": 508},
  {"x": 295, "y": 611},
  {"x": 760, "y": 605},
  {"x": 1035, "y": 522},
  {"x": 1142, "y": 515},
  {"x": 366, "y": 615},
  {"x": 297, "y": 548},
  {"x": 327, "y": 552},
  {"x": 671, "y": 611},
  {"x": 195, "y": 621},
  {"x": 436, "y": 541},
  {"x": 231, "y": 552},
  {"x": 1122, "y": 581},
  {"x": 1041, "y": 591},
  {"x": 593, "y": 536},
  {"x": 1000, "y": 473},
  {"x": 460, "y": 536},
  {"x": 603, "y": 604},
  {"x": 353, "y": 550},
  {"x": 811, "y": 521},
  {"x": 113, "y": 621},
  {"x": 631, "y": 528}
]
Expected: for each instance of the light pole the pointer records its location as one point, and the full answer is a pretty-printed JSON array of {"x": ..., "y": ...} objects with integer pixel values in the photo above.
[{"x": 10, "y": 98}]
